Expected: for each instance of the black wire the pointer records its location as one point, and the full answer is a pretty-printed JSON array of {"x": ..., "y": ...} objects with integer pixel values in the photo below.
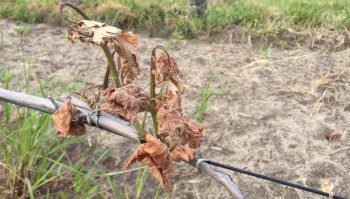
[{"x": 273, "y": 179}]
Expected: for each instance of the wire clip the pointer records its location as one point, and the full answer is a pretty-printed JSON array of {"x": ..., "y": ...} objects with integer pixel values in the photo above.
[
  {"x": 88, "y": 117},
  {"x": 199, "y": 161}
]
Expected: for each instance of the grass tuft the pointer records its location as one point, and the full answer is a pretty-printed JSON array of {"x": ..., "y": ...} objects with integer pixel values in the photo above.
[
  {"x": 206, "y": 94},
  {"x": 175, "y": 19}
]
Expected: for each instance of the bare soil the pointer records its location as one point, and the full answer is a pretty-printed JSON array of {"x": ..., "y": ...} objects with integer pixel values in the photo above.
[{"x": 273, "y": 121}]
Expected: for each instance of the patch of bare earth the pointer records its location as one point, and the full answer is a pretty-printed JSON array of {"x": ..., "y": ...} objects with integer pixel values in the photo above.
[{"x": 275, "y": 122}]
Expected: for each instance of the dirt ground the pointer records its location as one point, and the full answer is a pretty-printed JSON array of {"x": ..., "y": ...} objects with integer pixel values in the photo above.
[{"x": 274, "y": 120}]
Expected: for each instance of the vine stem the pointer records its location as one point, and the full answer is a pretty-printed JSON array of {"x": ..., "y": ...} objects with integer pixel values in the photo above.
[
  {"x": 107, "y": 52},
  {"x": 111, "y": 65},
  {"x": 153, "y": 103},
  {"x": 152, "y": 90}
]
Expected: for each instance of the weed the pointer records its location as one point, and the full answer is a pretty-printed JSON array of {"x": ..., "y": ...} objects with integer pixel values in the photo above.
[
  {"x": 175, "y": 19},
  {"x": 266, "y": 53},
  {"x": 22, "y": 29},
  {"x": 206, "y": 93}
]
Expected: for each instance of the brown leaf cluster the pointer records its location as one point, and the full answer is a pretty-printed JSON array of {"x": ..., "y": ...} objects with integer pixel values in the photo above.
[
  {"x": 125, "y": 44},
  {"x": 181, "y": 129},
  {"x": 169, "y": 115},
  {"x": 125, "y": 101},
  {"x": 157, "y": 157},
  {"x": 194, "y": 133},
  {"x": 182, "y": 153},
  {"x": 66, "y": 120}
]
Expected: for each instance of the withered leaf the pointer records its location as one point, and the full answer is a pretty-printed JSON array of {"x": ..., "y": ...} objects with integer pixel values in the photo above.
[
  {"x": 173, "y": 99},
  {"x": 166, "y": 73},
  {"x": 332, "y": 137},
  {"x": 194, "y": 133},
  {"x": 66, "y": 122},
  {"x": 91, "y": 96},
  {"x": 100, "y": 32},
  {"x": 169, "y": 122},
  {"x": 131, "y": 38},
  {"x": 169, "y": 118},
  {"x": 125, "y": 101},
  {"x": 125, "y": 44},
  {"x": 157, "y": 157},
  {"x": 162, "y": 89},
  {"x": 166, "y": 68},
  {"x": 182, "y": 153}
]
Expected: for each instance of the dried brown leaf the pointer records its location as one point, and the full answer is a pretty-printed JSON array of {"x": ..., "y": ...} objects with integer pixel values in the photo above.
[
  {"x": 167, "y": 75},
  {"x": 127, "y": 73},
  {"x": 332, "y": 137},
  {"x": 91, "y": 96},
  {"x": 125, "y": 44},
  {"x": 166, "y": 68},
  {"x": 101, "y": 32},
  {"x": 169, "y": 122},
  {"x": 162, "y": 89},
  {"x": 126, "y": 101},
  {"x": 127, "y": 48},
  {"x": 182, "y": 153},
  {"x": 172, "y": 98},
  {"x": 169, "y": 118},
  {"x": 66, "y": 120},
  {"x": 131, "y": 38},
  {"x": 194, "y": 133},
  {"x": 157, "y": 157}
]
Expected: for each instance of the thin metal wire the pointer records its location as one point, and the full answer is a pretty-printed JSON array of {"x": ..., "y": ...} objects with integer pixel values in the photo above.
[
  {"x": 272, "y": 179},
  {"x": 27, "y": 106}
]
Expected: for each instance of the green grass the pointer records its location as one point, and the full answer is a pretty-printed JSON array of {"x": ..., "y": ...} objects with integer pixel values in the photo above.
[
  {"x": 206, "y": 94},
  {"x": 266, "y": 53},
  {"x": 174, "y": 18}
]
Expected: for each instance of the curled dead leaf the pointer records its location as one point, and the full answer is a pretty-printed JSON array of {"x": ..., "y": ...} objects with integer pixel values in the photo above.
[
  {"x": 125, "y": 101},
  {"x": 127, "y": 73},
  {"x": 169, "y": 118},
  {"x": 88, "y": 31},
  {"x": 90, "y": 95},
  {"x": 125, "y": 44},
  {"x": 169, "y": 122},
  {"x": 66, "y": 120},
  {"x": 157, "y": 157},
  {"x": 131, "y": 38},
  {"x": 194, "y": 133},
  {"x": 172, "y": 99},
  {"x": 336, "y": 135},
  {"x": 182, "y": 153},
  {"x": 166, "y": 73},
  {"x": 162, "y": 89},
  {"x": 166, "y": 68}
]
